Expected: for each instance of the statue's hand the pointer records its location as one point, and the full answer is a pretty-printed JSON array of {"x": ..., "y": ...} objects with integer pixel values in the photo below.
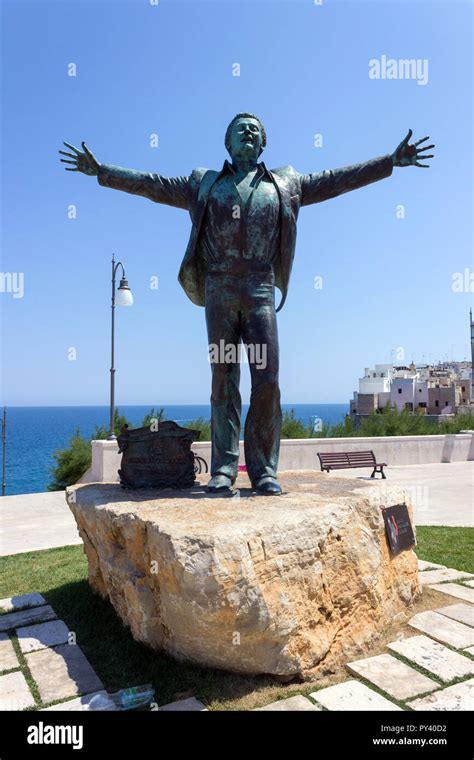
[
  {"x": 408, "y": 155},
  {"x": 81, "y": 162}
]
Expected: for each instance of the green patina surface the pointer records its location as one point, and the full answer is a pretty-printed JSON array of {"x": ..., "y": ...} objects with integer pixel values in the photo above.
[{"x": 241, "y": 248}]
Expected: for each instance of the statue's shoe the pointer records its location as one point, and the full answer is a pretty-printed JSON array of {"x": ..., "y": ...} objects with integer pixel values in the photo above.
[
  {"x": 268, "y": 486},
  {"x": 219, "y": 484}
]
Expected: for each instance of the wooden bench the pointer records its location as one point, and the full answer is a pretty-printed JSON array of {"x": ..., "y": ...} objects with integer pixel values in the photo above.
[{"x": 347, "y": 459}]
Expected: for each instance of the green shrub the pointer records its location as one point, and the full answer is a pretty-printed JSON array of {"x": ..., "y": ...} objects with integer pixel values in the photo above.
[
  {"x": 153, "y": 416},
  {"x": 387, "y": 422},
  {"x": 203, "y": 425},
  {"x": 71, "y": 463},
  {"x": 460, "y": 422},
  {"x": 292, "y": 427},
  {"x": 101, "y": 432},
  {"x": 393, "y": 422}
]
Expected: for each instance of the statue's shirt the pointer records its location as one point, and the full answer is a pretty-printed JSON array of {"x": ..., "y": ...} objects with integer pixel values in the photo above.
[{"x": 241, "y": 225}]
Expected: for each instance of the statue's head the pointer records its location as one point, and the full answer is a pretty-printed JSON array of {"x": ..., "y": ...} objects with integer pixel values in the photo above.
[{"x": 245, "y": 137}]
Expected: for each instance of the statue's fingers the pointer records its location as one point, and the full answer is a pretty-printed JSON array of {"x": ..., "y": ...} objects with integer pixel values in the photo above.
[
  {"x": 68, "y": 145},
  {"x": 429, "y": 155},
  {"x": 64, "y": 153},
  {"x": 426, "y": 147},
  {"x": 422, "y": 166},
  {"x": 87, "y": 151},
  {"x": 70, "y": 170},
  {"x": 65, "y": 161},
  {"x": 422, "y": 140},
  {"x": 410, "y": 132}
]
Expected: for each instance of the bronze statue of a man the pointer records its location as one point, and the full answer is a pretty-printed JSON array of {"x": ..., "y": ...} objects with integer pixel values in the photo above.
[{"x": 242, "y": 244}]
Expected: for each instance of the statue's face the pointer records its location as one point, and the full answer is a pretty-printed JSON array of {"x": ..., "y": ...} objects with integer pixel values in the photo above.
[{"x": 246, "y": 139}]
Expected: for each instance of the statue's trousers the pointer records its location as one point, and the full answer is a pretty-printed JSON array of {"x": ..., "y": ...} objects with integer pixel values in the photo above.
[{"x": 240, "y": 307}]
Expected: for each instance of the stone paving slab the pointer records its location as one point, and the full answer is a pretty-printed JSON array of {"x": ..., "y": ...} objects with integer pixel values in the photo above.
[
  {"x": 12, "y": 603},
  {"x": 292, "y": 704},
  {"x": 470, "y": 584},
  {"x": 443, "y": 574},
  {"x": 352, "y": 695},
  {"x": 423, "y": 565},
  {"x": 32, "y": 521},
  {"x": 463, "y": 613},
  {"x": 470, "y": 650},
  {"x": 457, "y": 697},
  {"x": 456, "y": 590},
  {"x": 81, "y": 704},
  {"x": 62, "y": 672},
  {"x": 8, "y": 658},
  {"x": 434, "y": 657},
  {"x": 26, "y": 617},
  {"x": 185, "y": 705},
  {"x": 14, "y": 692},
  {"x": 443, "y": 629},
  {"x": 392, "y": 676},
  {"x": 42, "y": 635}
]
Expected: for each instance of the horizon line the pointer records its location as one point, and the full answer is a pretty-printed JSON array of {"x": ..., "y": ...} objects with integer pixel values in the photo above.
[{"x": 117, "y": 406}]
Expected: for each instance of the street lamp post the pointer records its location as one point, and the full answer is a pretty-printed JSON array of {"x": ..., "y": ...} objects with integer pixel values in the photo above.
[
  {"x": 123, "y": 297},
  {"x": 4, "y": 451}
]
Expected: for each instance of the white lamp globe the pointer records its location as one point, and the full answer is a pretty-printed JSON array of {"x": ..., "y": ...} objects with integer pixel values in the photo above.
[{"x": 124, "y": 294}]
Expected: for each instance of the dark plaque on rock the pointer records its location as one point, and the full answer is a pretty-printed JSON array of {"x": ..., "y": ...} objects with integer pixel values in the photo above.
[
  {"x": 159, "y": 458},
  {"x": 398, "y": 528}
]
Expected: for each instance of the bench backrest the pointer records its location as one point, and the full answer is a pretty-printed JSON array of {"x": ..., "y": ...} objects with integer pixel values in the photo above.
[
  {"x": 361, "y": 458},
  {"x": 341, "y": 459}
]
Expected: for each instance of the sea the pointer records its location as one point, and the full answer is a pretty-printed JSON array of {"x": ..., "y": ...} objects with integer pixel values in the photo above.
[{"x": 34, "y": 433}]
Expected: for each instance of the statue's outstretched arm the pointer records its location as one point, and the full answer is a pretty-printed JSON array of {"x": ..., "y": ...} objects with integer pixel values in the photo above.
[
  {"x": 174, "y": 191},
  {"x": 321, "y": 186}
]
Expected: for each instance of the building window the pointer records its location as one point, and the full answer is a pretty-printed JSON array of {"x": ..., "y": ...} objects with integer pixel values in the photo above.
[
  {"x": 436, "y": 402},
  {"x": 446, "y": 403},
  {"x": 399, "y": 390},
  {"x": 419, "y": 390},
  {"x": 463, "y": 388}
]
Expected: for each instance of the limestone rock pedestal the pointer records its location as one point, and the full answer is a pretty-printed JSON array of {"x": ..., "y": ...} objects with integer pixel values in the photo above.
[{"x": 287, "y": 585}]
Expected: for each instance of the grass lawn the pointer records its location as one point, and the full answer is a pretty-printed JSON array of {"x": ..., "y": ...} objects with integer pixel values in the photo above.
[
  {"x": 453, "y": 547},
  {"x": 61, "y": 576},
  {"x": 119, "y": 661}
]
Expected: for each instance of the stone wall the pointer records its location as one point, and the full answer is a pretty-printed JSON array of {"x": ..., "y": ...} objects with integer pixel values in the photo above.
[{"x": 301, "y": 454}]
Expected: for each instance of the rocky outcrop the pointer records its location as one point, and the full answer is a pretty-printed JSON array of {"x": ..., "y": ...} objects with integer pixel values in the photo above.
[{"x": 288, "y": 585}]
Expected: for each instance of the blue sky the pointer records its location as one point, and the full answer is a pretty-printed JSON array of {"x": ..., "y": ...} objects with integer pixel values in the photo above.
[{"x": 167, "y": 69}]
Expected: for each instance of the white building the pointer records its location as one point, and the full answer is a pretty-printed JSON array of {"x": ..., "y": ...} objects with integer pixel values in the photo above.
[
  {"x": 402, "y": 392},
  {"x": 429, "y": 388},
  {"x": 376, "y": 380},
  {"x": 421, "y": 394},
  {"x": 409, "y": 393},
  {"x": 424, "y": 371}
]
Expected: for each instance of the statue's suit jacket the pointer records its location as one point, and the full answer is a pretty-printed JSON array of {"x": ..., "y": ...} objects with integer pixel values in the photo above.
[{"x": 192, "y": 193}]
